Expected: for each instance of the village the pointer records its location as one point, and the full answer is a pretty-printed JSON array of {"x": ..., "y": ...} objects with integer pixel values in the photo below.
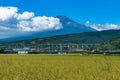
[
  {"x": 48, "y": 49},
  {"x": 55, "y": 49}
]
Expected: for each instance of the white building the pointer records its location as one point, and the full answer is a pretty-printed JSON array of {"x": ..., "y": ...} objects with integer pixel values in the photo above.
[{"x": 22, "y": 52}]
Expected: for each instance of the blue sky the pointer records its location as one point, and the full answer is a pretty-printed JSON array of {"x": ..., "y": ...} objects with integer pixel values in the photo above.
[
  {"x": 28, "y": 16},
  {"x": 97, "y": 11}
]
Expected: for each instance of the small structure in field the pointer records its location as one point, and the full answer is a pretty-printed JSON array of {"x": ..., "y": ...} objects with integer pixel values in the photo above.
[
  {"x": 61, "y": 52},
  {"x": 21, "y": 50}
]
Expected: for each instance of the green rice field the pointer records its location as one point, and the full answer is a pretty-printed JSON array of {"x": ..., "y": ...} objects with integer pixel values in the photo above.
[{"x": 59, "y": 67}]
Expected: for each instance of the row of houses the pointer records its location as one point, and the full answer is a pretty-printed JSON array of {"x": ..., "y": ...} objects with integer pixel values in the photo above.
[
  {"x": 58, "y": 49},
  {"x": 27, "y": 50},
  {"x": 24, "y": 50},
  {"x": 47, "y": 48}
]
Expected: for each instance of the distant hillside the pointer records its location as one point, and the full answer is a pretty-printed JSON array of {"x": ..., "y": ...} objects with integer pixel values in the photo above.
[{"x": 89, "y": 37}]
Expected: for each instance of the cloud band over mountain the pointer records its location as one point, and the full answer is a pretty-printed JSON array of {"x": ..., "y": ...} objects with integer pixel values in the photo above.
[
  {"x": 101, "y": 27},
  {"x": 12, "y": 21}
]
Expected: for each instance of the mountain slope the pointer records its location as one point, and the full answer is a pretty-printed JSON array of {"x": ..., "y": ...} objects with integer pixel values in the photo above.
[
  {"x": 81, "y": 38},
  {"x": 69, "y": 27},
  {"x": 113, "y": 44},
  {"x": 89, "y": 37}
]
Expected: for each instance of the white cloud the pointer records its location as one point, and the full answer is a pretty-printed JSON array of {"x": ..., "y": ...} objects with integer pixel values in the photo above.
[
  {"x": 7, "y": 12},
  {"x": 49, "y": 23},
  {"x": 40, "y": 24},
  {"x": 25, "y": 16},
  {"x": 87, "y": 22},
  {"x": 12, "y": 21},
  {"x": 24, "y": 25},
  {"x": 100, "y": 27}
]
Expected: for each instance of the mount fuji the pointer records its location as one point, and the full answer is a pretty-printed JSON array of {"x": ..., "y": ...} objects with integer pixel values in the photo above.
[{"x": 69, "y": 27}]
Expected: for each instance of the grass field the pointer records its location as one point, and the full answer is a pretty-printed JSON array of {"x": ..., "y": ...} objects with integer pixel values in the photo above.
[{"x": 59, "y": 67}]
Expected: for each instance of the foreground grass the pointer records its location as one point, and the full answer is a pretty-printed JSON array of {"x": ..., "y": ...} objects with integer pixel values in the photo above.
[{"x": 59, "y": 67}]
